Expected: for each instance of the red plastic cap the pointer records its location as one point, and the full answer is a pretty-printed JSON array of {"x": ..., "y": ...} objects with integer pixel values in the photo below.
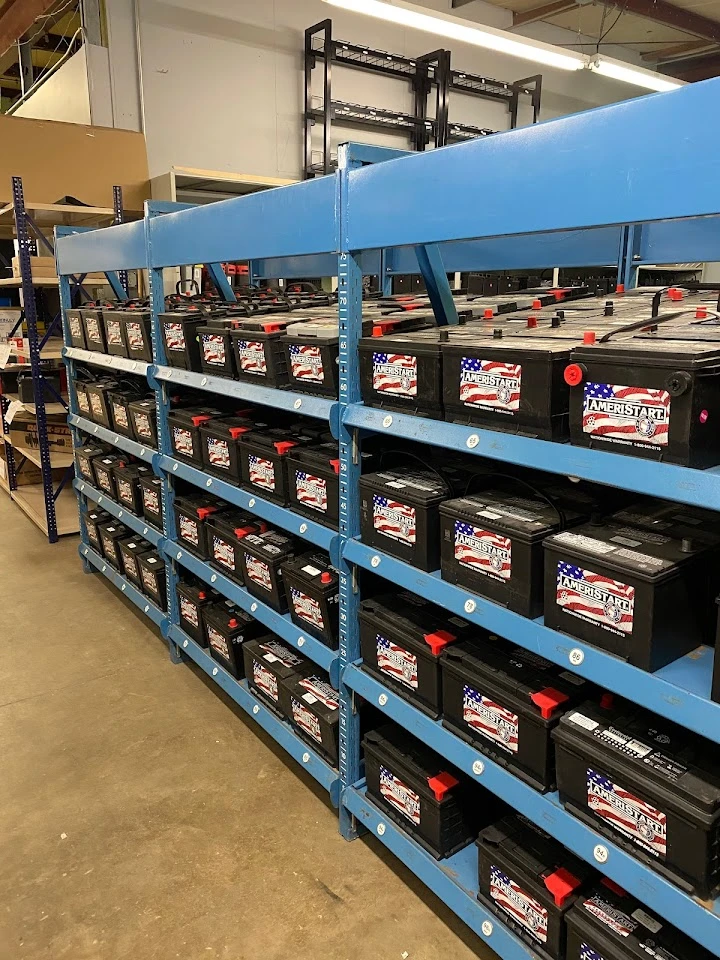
[
  {"x": 335, "y": 464},
  {"x": 273, "y": 327},
  {"x": 442, "y": 784},
  {"x": 204, "y": 512},
  {"x": 232, "y": 623},
  {"x": 589, "y": 336},
  {"x": 548, "y": 700},
  {"x": 532, "y": 322},
  {"x": 537, "y": 304},
  {"x": 200, "y": 419},
  {"x": 326, "y": 577},
  {"x": 607, "y": 700},
  {"x": 701, "y": 313},
  {"x": 439, "y": 640},
  {"x": 675, "y": 294},
  {"x": 559, "y": 294},
  {"x": 615, "y": 887},
  {"x": 202, "y": 595},
  {"x": 561, "y": 885},
  {"x": 489, "y": 314},
  {"x": 241, "y": 532},
  {"x": 573, "y": 374},
  {"x": 377, "y": 331},
  {"x": 282, "y": 446},
  {"x": 236, "y": 432},
  {"x": 620, "y": 288}
]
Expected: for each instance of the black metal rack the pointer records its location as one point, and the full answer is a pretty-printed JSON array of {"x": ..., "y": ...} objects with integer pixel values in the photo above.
[{"x": 422, "y": 73}]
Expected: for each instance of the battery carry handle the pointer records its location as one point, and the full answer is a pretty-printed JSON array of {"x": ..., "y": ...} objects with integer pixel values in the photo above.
[
  {"x": 641, "y": 324},
  {"x": 193, "y": 286}
]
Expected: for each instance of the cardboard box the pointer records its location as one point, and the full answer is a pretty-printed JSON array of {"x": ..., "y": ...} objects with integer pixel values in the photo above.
[
  {"x": 23, "y": 432},
  {"x": 41, "y": 266},
  {"x": 28, "y": 474}
]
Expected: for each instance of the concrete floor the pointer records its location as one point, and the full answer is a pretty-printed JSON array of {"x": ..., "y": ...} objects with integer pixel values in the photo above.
[{"x": 145, "y": 818}]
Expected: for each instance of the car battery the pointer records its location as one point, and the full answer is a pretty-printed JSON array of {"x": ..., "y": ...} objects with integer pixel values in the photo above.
[
  {"x": 84, "y": 457},
  {"x": 94, "y": 519},
  {"x": 104, "y": 470},
  {"x": 180, "y": 337},
  {"x": 311, "y": 354},
  {"x": 83, "y": 400},
  {"x": 507, "y": 383},
  {"x": 401, "y": 639},
  {"x": 642, "y": 595},
  {"x": 261, "y": 557},
  {"x": 94, "y": 329},
  {"x": 263, "y": 460},
  {"x": 403, "y": 372},
  {"x": 152, "y": 573},
  {"x": 506, "y": 701},
  {"x": 417, "y": 788},
  {"x": 530, "y": 881},
  {"x": 131, "y": 549},
  {"x": 313, "y": 481},
  {"x": 51, "y": 387},
  {"x": 185, "y": 438},
  {"x": 219, "y": 444},
  {"x": 491, "y": 544},
  {"x": 138, "y": 334},
  {"x": 647, "y": 398},
  {"x": 114, "y": 332},
  {"x": 311, "y": 585},
  {"x": 217, "y": 356},
  {"x": 223, "y": 532},
  {"x": 76, "y": 329},
  {"x": 269, "y": 661},
  {"x": 648, "y": 785},
  {"x": 313, "y": 707},
  {"x": 127, "y": 485},
  {"x": 143, "y": 415},
  {"x": 608, "y": 924},
  {"x": 119, "y": 401},
  {"x": 191, "y": 513},
  {"x": 152, "y": 506},
  {"x": 98, "y": 396},
  {"x": 111, "y": 534},
  {"x": 259, "y": 353},
  {"x": 399, "y": 514},
  {"x": 193, "y": 599},
  {"x": 227, "y": 628}
]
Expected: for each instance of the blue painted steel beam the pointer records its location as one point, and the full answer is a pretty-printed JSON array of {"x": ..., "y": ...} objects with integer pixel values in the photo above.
[
  {"x": 115, "y": 439},
  {"x": 317, "y": 265},
  {"x": 680, "y": 691},
  {"x": 362, "y": 153},
  {"x": 220, "y": 281},
  {"x": 680, "y": 241},
  {"x": 547, "y": 812},
  {"x": 107, "y": 360},
  {"x": 281, "y": 731},
  {"x": 136, "y": 524},
  {"x": 121, "y": 247},
  {"x": 116, "y": 284},
  {"x": 436, "y": 282},
  {"x": 142, "y": 602},
  {"x": 587, "y": 171}
]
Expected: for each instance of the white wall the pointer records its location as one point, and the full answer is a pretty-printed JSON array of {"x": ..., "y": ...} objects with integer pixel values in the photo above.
[
  {"x": 63, "y": 96},
  {"x": 222, "y": 80}
]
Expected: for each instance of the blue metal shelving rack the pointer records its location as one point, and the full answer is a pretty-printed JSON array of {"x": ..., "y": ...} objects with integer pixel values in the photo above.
[{"x": 469, "y": 206}]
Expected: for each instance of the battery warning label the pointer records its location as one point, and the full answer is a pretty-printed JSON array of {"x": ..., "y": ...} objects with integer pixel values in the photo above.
[
  {"x": 183, "y": 441},
  {"x": 306, "y": 363},
  {"x": 258, "y": 572},
  {"x": 518, "y": 905},
  {"x": 251, "y": 355},
  {"x": 307, "y": 608},
  {"x": 396, "y": 662},
  {"x": 589, "y": 596},
  {"x": 213, "y": 349},
  {"x": 218, "y": 453},
  {"x": 400, "y": 796},
  {"x": 628, "y": 415},
  {"x": 218, "y": 642},
  {"x": 483, "y": 551},
  {"x": 395, "y": 373},
  {"x": 265, "y": 681},
  {"x": 174, "y": 336},
  {"x": 262, "y": 472},
  {"x": 626, "y": 813},
  {"x": 492, "y": 720},
  {"x": 134, "y": 336},
  {"x": 393, "y": 519},
  {"x": 618, "y": 921},
  {"x": 490, "y": 385},
  {"x": 189, "y": 611}
]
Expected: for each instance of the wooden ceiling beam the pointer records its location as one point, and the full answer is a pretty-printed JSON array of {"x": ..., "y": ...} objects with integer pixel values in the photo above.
[
  {"x": 543, "y": 12},
  {"x": 17, "y": 18},
  {"x": 677, "y": 51},
  {"x": 671, "y": 16}
]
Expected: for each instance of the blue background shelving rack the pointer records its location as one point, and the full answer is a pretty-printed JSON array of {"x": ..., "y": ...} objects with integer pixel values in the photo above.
[{"x": 595, "y": 197}]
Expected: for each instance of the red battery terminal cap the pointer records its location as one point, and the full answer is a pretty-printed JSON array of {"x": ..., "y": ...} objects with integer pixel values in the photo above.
[
  {"x": 573, "y": 374},
  {"x": 201, "y": 418},
  {"x": 282, "y": 446},
  {"x": 701, "y": 313},
  {"x": 607, "y": 700},
  {"x": 202, "y": 595},
  {"x": 326, "y": 577},
  {"x": 335, "y": 464},
  {"x": 273, "y": 327},
  {"x": 675, "y": 294},
  {"x": 558, "y": 294},
  {"x": 532, "y": 321},
  {"x": 548, "y": 700},
  {"x": 589, "y": 337},
  {"x": 204, "y": 512},
  {"x": 537, "y": 304},
  {"x": 236, "y": 432},
  {"x": 488, "y": 314},
  {"x": 561, "y": 885},
  {"x": 241, "y": 532},
  {"x": 232, "y": 623},
  {"x": 439, "y": 640},
  {"x": 442, "y": 784},
  {"x": 620, "y": 288}
]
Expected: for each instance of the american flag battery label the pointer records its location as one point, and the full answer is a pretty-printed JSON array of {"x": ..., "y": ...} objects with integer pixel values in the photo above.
[
  {"x": 306, "y": 720},
  {"x": 306, "y": 363},
  {"x": 150, "y": 581},
  {"x": 223, "y": 553},
  {"x": 400, "y": 796},
  {"x": 492, "y": 720},
  {"x": 96, "y": 404},
  {"x": 114, "y": 334},
  {"x": 189, "y": 530},
  {"x": 393, "y": 519},
  {"x": 311, "y": 491},
  {"x": 93, "y": 330},
  {"x": 518, "y": 905},
  {"x": 83, "y": 402},
  {"x": 213, "y": 349},
  {"x": 618, "y": 921},
  {"x": 151, "y": 501},
  {"x": 183, "y": 441},
  {"x": 258, "y": 572},
  {"x": 174, "y": 336},
  {"x": 75, "y": 327},
  {"x": 218, "y": 642},
  {"x": 134, "y": 336},
  {"x": 265, "y": 681},
  {"x": 251, "y": 355},
  {"x": 587, "y": 953},
  {"x": 490, "y": 385},
  {"x": 307, "y": 608},
  {"x": 218, "y": 453},
  {"x": 626, "y": 813},
  {"x": 395, "y": 373},
  {"x": 626, "y": 414},
  {"x": 483, "y": 551},
  {"x": 120, "y": 415},
  {"x": 125, "y": 491},
  {"x": 262, "y": 472},
  {"x": 142, "y": 425},
  {"x": 607, "y": 603},
  {"x": 397, "y": 662},
  {"x": 189, "y": 612}
]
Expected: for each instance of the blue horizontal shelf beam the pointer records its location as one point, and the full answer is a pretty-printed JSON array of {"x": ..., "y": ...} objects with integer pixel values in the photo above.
[
  {"x": 140, "y": 600},
  {"x": 278, "y": 623},
  {"x": 683, "y": 241},
  {"x": 284, "y": 221},
  {"x": 680, "y": 691},
  {"x": 314, "y": 533},
  {"x": 454, "y": 880},
  {"x": 107, "y": 360},
  {"x": 278, "y": 729},
  {"x": 666, "y": 480},
  {"x": 136, "y": 524},
  {"x": 320, "y": 265},
  {"x": 545, "y": 811},
  {"x": 121, "y": 247},
  {"x": 482, "y": 188},
  {"x": 115, "y": 439},
  {"x": 308, "y": 406}
]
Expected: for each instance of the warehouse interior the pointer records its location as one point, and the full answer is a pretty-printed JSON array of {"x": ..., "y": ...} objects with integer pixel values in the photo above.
[{"x": 359, "y": 490}]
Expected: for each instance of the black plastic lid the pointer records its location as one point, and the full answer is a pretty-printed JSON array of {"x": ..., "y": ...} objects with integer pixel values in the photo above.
[
  {"x": 421, "y": 625},
  {"x": 221, "y": 615},
  {"x": 513, "y": 348},
  {"x": 231, "y": 427},
  {"x": 152, "y": 560},
  {"x": 409, "y": 485},
  {"x": 199, "y": 501},
  {"x": 317, "y": 695},
  {"x": 193, "y": 416},
  {"x": 273, "y": 651},
  {"x": 522, "y": 517},
  {"x": 315, "y": 570},
  {"x": 647, "y": 352},
  {"x": 230, "y": 521},
  {"x": 325, "y": 456},
  {"x": 271, "y": 546}
]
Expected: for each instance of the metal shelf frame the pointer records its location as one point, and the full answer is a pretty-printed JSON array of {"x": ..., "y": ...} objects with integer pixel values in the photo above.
[{"x": 376, "y": 214}]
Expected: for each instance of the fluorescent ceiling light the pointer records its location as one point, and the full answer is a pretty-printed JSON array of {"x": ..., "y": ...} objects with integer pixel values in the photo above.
[{"x": 453, "y": 28}]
